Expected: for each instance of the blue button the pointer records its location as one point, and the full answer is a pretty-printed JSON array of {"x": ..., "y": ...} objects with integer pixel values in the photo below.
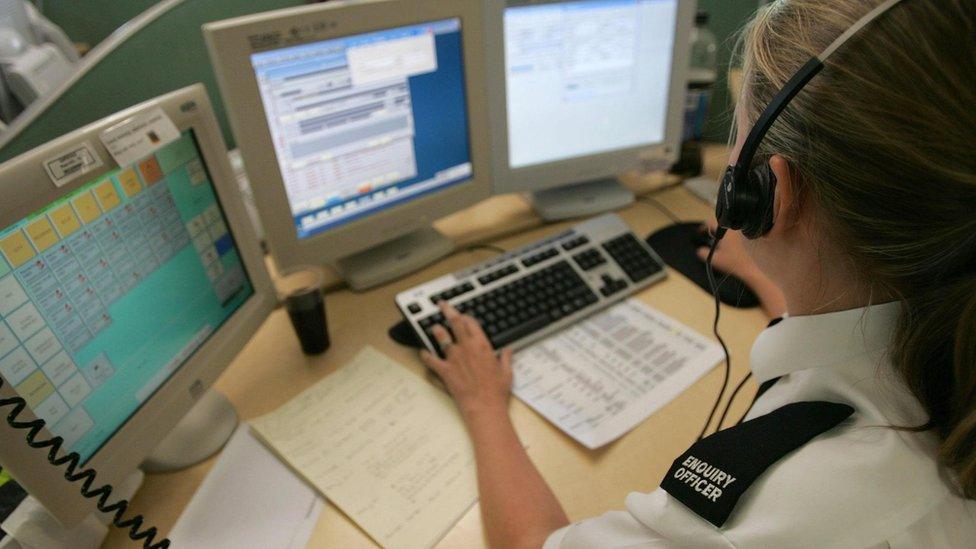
[{"x": 224, "y": 244}]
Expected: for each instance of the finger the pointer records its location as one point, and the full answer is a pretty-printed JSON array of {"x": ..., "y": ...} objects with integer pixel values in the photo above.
[
  {"x": 702, "y": 253},
  {"x": 453, "y": 319},
  {"x": 435, "y": 363},
  {"x": 712, "y": 225},
  {"x": 443, "y": 338},
  {"x": 475, "y": 331}
]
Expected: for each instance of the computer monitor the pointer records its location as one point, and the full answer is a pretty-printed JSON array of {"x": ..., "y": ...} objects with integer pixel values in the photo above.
[
  {"x": 359, "y": 123},
  {"x": 580, "y": 91},
  {"x": 125, "y": 290}
]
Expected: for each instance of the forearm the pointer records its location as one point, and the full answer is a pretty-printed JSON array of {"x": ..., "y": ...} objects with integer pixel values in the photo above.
[{"x": 517, "y": 506}]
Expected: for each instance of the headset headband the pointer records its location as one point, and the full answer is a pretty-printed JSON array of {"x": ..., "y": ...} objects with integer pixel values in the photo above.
[{"x": 797, "y": 83}]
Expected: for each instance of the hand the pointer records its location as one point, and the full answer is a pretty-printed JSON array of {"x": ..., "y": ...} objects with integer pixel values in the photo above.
[
  {"x": 478, "y": 380},
  {"x": 731, "y": 256}
]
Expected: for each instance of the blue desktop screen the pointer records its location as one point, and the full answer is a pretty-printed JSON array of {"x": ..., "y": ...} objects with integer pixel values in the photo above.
[
  {"x": 106, "y": 292},
  {"x": 366, "y": 122}
]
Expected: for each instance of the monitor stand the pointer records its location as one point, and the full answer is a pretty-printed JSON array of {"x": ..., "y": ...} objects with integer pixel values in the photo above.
[
  {"x": 581, "y": 200},
  {"x": 391, "y": 260},
  {"x": 201, "y": 433}
]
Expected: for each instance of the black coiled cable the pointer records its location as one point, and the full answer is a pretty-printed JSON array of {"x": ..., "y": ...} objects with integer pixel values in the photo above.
[{"x": 87, "y": 476}]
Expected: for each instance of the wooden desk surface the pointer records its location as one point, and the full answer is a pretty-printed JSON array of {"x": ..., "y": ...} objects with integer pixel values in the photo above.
[{"x": 271, "y": 370}]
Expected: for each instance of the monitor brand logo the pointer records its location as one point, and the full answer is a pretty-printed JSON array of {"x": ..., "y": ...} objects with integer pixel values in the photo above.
[
  {"x": 264, "y": 40},
  {"x": 302, "y": 33}
]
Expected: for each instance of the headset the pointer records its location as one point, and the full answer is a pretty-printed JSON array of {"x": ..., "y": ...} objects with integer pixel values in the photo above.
[{"x": 748, "y": 189}]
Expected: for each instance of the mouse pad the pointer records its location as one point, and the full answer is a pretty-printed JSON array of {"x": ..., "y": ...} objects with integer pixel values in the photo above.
[
  {"x": 403, "y": 333},
  {"x": 677, "y": 245}
]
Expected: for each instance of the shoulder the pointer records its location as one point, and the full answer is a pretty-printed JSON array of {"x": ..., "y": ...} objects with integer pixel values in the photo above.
[
  {"x": 854, "y": 486},
  {"x": 857, "y": 485}
]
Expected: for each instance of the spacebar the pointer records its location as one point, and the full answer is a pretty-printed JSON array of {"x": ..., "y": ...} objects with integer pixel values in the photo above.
[{"x": 518, "y": 332}]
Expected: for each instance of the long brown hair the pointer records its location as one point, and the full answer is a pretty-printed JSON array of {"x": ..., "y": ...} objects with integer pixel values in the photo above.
[{"x": 884, "y": 145}]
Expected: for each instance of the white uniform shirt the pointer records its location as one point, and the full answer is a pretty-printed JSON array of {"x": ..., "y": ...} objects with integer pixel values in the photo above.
[{"x": 861, "y": 484}]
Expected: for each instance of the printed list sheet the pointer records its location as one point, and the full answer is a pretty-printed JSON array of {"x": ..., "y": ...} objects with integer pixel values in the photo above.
[{"x": 599, "y": 379}]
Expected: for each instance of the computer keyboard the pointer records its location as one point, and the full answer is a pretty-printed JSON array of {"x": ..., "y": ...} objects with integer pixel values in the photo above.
[{"x": 529, "y": 293}]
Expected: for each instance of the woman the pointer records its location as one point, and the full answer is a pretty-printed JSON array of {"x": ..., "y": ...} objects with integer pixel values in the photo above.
[{"x": 874, "y": 248}]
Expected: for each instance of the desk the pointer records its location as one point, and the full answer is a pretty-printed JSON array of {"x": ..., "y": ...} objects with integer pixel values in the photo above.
[{"x": 271, "y": 370}]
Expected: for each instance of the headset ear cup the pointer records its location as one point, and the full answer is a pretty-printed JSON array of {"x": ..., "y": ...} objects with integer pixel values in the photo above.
[
  {"x": 724, "y": 205},
  {"x": 762, "y": 188}
]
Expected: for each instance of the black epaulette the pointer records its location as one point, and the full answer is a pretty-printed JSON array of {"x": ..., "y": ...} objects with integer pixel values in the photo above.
[{"x": 713, "y": 474}]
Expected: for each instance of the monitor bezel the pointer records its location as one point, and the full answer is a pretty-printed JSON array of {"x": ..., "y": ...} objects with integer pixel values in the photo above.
[
  {"x": 118, "y": 457},
  {"x": 230, "y": 46},
  {"x": 579, "y": 169}
]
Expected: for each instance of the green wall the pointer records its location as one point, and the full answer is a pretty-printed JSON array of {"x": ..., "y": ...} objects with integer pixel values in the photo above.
[{"x": 90, "y": 21}]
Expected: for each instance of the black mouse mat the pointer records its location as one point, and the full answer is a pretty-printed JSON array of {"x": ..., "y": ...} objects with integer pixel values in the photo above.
[
  {"x": 404, "y": 334},
  {"x": 677, "y": 246}
]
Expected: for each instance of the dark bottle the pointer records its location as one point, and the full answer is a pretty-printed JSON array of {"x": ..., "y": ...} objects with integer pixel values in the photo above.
[{"x": 307, "y": 312}]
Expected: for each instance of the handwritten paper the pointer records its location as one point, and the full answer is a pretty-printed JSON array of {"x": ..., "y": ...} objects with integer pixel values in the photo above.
[
  {"x": 384, "y": 446},
  {"x": 599, "y": 379}
]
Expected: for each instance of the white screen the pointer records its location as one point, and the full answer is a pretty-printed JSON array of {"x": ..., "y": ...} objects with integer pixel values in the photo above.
[{"x": 586, "y": 77}]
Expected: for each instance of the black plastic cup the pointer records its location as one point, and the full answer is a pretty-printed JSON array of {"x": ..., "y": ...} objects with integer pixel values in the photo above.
[{"x": 303, "y": 300}]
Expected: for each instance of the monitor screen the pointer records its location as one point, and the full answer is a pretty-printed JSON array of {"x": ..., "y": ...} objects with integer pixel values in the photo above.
[
  {"x": 363, "y": 123},
  {"x": 107, "y": 291},
  {"x": 586, "y": 77}
]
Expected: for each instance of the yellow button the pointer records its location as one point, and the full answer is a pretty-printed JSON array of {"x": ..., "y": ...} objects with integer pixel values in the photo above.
[
  {"x": 17, "y": 249},
  {"x": 65, "y": 220},
  {"x": 129, "y": 182},
  {"x": 87, "y": 208},
  {"x": 42, "y": 233},
  {"x": 107, "y": 196},
  {"x": 35, "y": 389}
]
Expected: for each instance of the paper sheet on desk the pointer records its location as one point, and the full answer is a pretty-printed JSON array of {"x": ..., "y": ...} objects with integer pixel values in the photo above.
[
  {"x": 601, "y": 378},
  {"x": 249, "y": 499},
  {"x": 384, "y": 446}
]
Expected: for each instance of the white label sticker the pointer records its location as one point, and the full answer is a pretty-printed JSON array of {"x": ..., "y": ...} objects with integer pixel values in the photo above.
[
  {"x": 72, "y": 163},
  {"x": 139, "y": 136}
]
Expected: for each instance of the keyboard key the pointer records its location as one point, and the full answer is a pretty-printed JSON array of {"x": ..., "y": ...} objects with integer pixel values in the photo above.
[
  {"x": 539, "y": 257},
  {"x": 632, "y": 257},
  {"x": 519, "y": 331},
  {"x": 590, "y": 259},
  {"x": 451, "y": 293},
  {"x": 498, "y": 274},
  {"x": 575, "y": 242}
]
